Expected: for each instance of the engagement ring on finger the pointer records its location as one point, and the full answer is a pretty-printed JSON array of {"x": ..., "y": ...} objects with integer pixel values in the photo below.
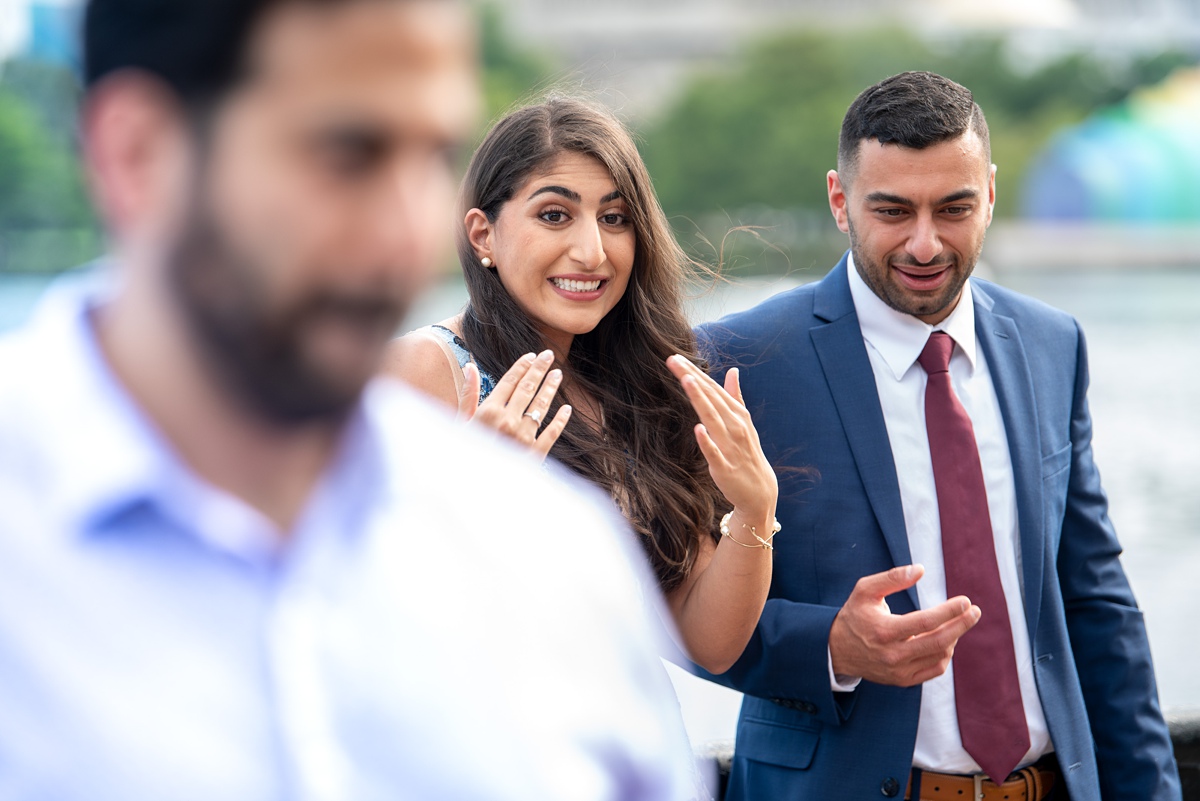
[{"x": 535, "y": 416}]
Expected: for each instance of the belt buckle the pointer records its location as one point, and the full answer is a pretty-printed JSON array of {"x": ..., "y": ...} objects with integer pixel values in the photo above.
[{"x": 978, "y": 777}]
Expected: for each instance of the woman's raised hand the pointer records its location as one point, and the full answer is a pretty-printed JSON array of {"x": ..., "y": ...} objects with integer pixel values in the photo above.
[
  {"x": 729, "y": 441},
  {"x": 518, "y": 404}
]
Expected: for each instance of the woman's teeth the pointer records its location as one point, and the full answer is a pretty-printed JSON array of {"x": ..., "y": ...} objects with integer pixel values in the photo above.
[{"x": 576, "y": 286}]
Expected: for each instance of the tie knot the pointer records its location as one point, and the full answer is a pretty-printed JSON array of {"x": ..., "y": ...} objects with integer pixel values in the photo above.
[{"x": 935, "y": 358}]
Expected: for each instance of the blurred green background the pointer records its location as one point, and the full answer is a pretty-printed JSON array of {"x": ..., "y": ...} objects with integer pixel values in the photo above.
[{"x": 741, "y": 133}]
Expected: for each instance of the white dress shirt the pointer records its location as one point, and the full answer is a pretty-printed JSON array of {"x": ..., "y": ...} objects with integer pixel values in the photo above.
[
  {"x": 446, "y": 620},
  {"x": 894, "y": 340}
]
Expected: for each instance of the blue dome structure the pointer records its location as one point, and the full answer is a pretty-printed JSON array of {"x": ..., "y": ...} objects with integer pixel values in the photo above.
[{"x": 1136, "y": 163}]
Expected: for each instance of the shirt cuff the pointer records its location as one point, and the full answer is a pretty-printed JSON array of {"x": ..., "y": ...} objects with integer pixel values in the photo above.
[{"x": 840, "y": 683}]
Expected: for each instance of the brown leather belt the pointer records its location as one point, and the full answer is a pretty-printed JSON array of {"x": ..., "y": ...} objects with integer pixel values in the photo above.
[{"x": 1027, "y": 784}]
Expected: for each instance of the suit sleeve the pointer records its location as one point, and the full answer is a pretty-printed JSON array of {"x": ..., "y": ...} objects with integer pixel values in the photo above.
[
  {"x": 1107, "y": 631},
  {"x": 786, "y": 661}
]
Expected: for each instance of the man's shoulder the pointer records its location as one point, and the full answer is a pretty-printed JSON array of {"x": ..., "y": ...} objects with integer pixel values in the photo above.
[
  {"x": 33, "y": 393},
  {"x": 786, "y": 305},
  {"x": 766, "y": 326},
  {"x": 1027, "y": 312},
  {"x": 505, "y": 509},
  {"x": 21, "y": 350},
  {"x": 433, "y": 454},
  {"x": 513, "y": 557},
  {"x": 416, "y": 429},
  {"x": 33, "y": 356},
  {"x": 29, "y": 400}
]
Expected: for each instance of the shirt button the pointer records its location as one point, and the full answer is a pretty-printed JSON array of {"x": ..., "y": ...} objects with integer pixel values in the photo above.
[{"x": 890, "y": 787}]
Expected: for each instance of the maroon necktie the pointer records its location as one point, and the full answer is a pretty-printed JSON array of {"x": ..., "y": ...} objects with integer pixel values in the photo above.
[{"x": 987, "y": 692}]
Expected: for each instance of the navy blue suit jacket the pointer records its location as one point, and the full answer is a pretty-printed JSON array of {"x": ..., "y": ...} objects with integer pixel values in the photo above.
[{"x": 809, "y": 385}]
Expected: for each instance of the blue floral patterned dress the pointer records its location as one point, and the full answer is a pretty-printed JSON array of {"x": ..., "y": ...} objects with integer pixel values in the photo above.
[{"x": 487, "y": 381}]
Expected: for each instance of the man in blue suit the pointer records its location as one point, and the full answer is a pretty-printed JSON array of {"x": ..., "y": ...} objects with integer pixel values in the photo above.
[{"x": 948, "y": 617}]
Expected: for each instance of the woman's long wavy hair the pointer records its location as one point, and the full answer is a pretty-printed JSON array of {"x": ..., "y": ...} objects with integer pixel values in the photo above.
[{"x": 646, "y": 456}]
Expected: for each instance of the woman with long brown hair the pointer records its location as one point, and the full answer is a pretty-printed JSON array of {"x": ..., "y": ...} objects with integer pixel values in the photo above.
[{"x": 566, "y": 251}]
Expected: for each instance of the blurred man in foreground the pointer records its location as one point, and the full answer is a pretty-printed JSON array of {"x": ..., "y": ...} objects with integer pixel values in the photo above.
[{"x": 226, "y": 569}]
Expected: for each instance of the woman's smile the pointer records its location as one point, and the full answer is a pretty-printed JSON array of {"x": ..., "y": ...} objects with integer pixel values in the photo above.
[{"x": 579, "y": 288}]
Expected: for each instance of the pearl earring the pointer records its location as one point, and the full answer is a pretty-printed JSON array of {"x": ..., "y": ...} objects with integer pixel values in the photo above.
[{"x": 485, "y": 261}]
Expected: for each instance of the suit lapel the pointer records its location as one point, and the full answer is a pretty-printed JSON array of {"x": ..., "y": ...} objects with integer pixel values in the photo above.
[
  {"x": 1005, "y": 353},
  {"x": 847, "y": 368}
]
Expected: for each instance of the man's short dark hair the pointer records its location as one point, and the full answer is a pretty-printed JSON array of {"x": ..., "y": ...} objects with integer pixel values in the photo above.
[
  {"x": 195, "y": 47},
  {"x": 913, "y": 109}
]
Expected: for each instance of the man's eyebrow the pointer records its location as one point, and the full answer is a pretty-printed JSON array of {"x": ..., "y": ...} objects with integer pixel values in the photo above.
[
  {"x": 885, "y": 197},
  {"x": 962, "y": 194},
  {"x": 558, "y": 190}
]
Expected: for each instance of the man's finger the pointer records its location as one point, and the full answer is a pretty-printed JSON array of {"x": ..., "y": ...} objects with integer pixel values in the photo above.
[
  {"x": 878, "y": 586},
  {"x": 945, "y": 636},
  {"x": 926, "y": 673},
  {"x": 924, "y": 621}
]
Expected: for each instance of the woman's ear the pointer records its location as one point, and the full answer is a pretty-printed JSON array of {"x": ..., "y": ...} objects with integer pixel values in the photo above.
[{"x": 479, "y": 234}]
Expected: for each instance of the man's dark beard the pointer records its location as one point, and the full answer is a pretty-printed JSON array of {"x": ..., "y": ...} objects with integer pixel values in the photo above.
[
  {"x": 257, "y": 351},
  {"x": 872, "y": 274}
]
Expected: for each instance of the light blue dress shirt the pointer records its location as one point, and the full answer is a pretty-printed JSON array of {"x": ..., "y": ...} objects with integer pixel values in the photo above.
[{"x": 446, "y": 620}]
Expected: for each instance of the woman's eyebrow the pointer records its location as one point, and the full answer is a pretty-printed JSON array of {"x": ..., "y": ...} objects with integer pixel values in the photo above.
[
  {"x": 572, "y": 195},
  {"x": 558, "y": 190}
]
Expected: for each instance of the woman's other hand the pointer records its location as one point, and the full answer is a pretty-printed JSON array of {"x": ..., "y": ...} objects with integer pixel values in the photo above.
[
  {"x": 519, "y": 403},
  {"x": 718, "y": 605},
  {"x": 729, "y": 442}
]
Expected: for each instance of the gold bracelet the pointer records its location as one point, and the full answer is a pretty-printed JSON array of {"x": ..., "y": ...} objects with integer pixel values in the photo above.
[{"x": 763, "y": 543}]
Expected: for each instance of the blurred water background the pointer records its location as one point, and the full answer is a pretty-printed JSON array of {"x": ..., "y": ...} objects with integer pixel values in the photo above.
[{"x": 1093, "y": 107}]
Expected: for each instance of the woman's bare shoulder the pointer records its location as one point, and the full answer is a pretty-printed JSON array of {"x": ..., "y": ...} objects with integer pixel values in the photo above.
[{"x": 420, "y": 360}]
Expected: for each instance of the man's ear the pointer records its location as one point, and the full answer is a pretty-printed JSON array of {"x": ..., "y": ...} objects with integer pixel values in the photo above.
[
  {"x": 479, "y": 233},
  {"x": 136, "y": 152},
  {"x": 991, "y": 193},
  {"x": 837, "y": 201}
]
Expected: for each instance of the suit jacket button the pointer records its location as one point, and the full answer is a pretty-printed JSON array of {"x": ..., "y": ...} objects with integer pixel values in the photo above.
[{"x": 890, "y": 787}]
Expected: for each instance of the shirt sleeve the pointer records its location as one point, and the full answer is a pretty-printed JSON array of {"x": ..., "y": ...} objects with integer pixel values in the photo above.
[{"x": 839, "y": 683}]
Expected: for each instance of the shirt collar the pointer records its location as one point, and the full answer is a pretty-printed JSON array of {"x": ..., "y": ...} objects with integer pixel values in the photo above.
[
  {"x": 99, "y": 455},
  {"x": 107, "y": 459},
  {"x": 899, "y": 338}
]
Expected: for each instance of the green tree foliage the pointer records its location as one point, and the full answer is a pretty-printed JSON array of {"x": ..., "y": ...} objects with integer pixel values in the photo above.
[
  {"x": 39, "y": 181},
  {"x": 45, "y": 220},
  {"x": 764, "y": 131},
  {"x": 510, "y": 73},
  {"x": 51, "y": 92}
]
